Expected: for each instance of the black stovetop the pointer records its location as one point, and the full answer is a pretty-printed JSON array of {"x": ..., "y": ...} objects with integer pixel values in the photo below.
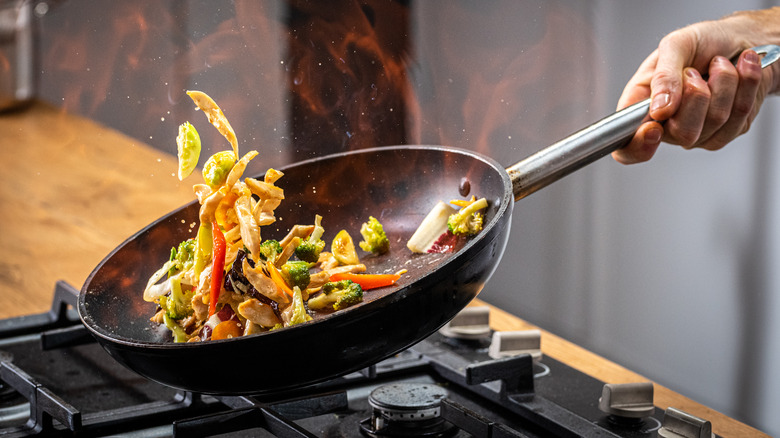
[{"x": 59, "y": 382}]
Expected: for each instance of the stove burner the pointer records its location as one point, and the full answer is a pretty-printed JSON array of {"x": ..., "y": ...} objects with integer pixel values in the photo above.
[{"x": 406, "y": 410}]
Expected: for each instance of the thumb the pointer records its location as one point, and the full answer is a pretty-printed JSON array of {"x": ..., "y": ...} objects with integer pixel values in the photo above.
[{"x": 666, "y": 84}]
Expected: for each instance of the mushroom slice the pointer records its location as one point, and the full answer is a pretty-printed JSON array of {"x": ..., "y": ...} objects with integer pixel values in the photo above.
[
  {"x": 327, "y": 261},
  {"x": 264, "y": 213},
  {"x": 317, "y": 280},
  {"x": 351, "y": 269},
  {"x": 200, "y": 308},
  {"x": 215, "y": 115},
  {"x": 320, "y": 278},
  {"x": 287, "y": 252},
  {"x": 258, "y": 312},
  {"x": 251, "y": 328},
  {"x": 264, "y": 190},
  {"x": 272, "y": 175},
  {"x": 238, "y": 169},
  {"x": 263, "y": 284},
  {"x": 300, "y": 231},
  {"x": 250, "y": 231}
]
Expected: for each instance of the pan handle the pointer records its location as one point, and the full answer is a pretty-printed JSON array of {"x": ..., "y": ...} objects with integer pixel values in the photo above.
[{"x": 588, "y": 145}]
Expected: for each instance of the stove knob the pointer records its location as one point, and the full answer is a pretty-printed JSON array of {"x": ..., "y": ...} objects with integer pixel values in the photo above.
[
  {"x": 678, "y": 424},
  {"x": 470, "y": 323},
  {"x": 627, "y": 400},
  {"x": 513, "y": 343}
]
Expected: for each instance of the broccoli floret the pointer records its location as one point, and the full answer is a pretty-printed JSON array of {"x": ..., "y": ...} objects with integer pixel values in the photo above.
[
  {"x": 182, "y": 257},
  {"x": 269, "y": 249},
  {"x": 177, "y": 304},
  {"x": 338, "y": 295},
  {"x": 297, "y": 309},
  {"x": 179, "y": 335},
  {"x": 296, "y": 273},
  {"x": 309, "y": 250},
  {"x": 468, "y": 221},
  {"x": 374, "y": 237}
]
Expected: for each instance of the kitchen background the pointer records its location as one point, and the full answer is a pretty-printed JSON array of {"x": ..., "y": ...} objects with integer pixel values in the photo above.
[{"x": 667, "y": 268}]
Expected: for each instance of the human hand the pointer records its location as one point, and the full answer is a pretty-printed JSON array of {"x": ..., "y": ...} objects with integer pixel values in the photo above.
[{"x": 706, "y": 112}]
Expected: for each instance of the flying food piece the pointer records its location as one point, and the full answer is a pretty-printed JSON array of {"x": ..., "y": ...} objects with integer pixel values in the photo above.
[{"x": 216, "y": 116}]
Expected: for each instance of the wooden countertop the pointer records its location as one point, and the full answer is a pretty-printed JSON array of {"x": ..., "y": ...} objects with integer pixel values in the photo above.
[{"x": 71, "y": 190}]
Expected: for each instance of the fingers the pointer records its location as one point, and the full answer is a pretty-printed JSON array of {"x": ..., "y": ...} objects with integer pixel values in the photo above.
[
  {"x": 710, "y": 113},
  {"x": 643, "y": 146},
  {"x": 675, "y": 52},
  {"x": 685, "y": 127},
  {"x": 723, "y": 82},
  {"x": 744, "y": 102}
]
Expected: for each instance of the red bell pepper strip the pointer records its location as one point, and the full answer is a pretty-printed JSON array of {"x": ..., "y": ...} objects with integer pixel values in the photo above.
[
  {"x": 218, "y": 266},
  {"x": 367, "y": 281}
]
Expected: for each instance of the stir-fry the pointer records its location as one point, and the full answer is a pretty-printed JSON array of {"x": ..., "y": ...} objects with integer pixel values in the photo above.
[
  {"x": 445, "y": 226},
  {"x": 229, "y": 281}
]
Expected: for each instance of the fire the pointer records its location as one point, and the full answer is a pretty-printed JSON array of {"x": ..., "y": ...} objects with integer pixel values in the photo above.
[
  {"x": 347, "y": 73},
  {"x": 503, "y": 77},
  {"x": 301, "y": 78}
]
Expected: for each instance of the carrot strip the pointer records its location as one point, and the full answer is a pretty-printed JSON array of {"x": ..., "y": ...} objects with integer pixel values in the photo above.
[
  {"x": 276, "y": 277},
  {"x": 368, "y": 281}
]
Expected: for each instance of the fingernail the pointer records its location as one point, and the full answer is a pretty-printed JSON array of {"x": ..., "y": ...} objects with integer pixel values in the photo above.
[
  {"x": 653, "y": 136},
  {"x": 692, "y": 73},
  {"x": 752, "y": 57},
  {"x": 660, "y": 100},
  {"x": 721, "y": 60}
]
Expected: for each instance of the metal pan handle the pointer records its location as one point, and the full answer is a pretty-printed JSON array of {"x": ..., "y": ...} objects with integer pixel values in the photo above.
[{"x": 589, "y": 144}]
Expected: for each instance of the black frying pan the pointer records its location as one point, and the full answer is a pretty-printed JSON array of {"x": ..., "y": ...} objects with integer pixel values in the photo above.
[{"x": 398, "y": 185}]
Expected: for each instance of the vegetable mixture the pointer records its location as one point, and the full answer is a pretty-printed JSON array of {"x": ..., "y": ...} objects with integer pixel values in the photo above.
[
  {"x": 445, "y": 227},
  {"x": 228, "y": 281}
]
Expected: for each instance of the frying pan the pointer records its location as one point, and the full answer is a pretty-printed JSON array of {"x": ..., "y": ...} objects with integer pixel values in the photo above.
[{"x": 398, "y": 185}]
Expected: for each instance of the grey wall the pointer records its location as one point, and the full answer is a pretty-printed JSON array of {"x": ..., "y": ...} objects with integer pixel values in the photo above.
[{"x": 665, "y": 267}]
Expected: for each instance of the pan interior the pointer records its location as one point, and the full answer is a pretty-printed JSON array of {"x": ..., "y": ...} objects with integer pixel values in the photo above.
[{"x": 397, "y": 185}]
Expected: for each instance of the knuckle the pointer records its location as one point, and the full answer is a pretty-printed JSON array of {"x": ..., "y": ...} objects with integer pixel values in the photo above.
[
  {"x": 718, "y": 116},
  {"x": 683, "y": 38},
  {"x": 685, "y": 137},
  {"x": 697, "y": 93},
  {"x": 742, "y": 109}
]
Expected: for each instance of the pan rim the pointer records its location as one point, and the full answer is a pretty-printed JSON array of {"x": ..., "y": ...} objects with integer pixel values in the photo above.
[{"x": 506, "y": 200}]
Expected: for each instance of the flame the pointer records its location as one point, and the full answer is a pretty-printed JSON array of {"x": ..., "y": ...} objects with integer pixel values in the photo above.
[
  {"x": 347, "y": 74},
  {"x": 304, "y": 78},
  {"x": 129, "y": 65},
  {"x": 496, "y": 86}
]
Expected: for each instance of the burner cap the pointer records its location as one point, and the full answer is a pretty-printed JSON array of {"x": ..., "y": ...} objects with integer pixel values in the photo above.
[
  {"x": 407, "y": 409},
  {"x": 412, "y": 401}
]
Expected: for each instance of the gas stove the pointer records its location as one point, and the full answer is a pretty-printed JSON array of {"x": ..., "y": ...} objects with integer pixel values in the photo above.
[{"x": 463, "y": 381}]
